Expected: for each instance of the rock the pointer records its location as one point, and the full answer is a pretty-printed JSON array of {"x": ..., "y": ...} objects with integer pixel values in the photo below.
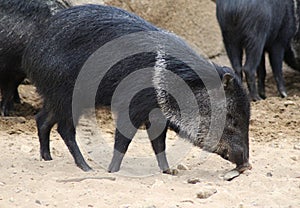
[
  {"x": 125, "y": 206},
  {"x": 231, "y": 175},
  {"x": 206, "y": 193},
  {"x": 38, "y": 202},
  {"x": 297, "y": 147},
  {"x": 193, "y": 180},
  {"x": 2, "y": 183},
  {"x": 182, "y": 167},
  {"x": 269, "y": 174},
  {"x": 151, "y": 206},
  {"x": 289, "y": 102},
  {"x": 295, "y": 158},
  {"x": 26, "y": 149}
]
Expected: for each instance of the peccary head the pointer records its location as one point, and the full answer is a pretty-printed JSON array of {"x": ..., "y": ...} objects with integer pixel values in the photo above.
[
  {"x": 193, "y": 121},
  {"x": 234, "y": 142}
]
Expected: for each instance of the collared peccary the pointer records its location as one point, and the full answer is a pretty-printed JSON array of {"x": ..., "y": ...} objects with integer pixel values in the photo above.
[
  {"x": 19, "y": 19},
  {"x": 53, "y": 62},
  {"x": 257, "y": 26},
  {"x": 292, "y": 53}
]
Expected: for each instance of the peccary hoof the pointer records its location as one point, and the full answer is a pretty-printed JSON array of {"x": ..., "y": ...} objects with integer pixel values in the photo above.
[
  {"x": 85, "y": 168},
  {"x": 46, "y": 156},
  {"x": 283, "y": 94}
]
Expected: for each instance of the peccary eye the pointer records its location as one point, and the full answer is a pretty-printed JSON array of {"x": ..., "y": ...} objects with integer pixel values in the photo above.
[{"x": 235, "y": 123}]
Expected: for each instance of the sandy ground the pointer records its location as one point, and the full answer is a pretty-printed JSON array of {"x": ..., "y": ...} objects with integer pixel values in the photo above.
[{"x": 274, "y": 181}]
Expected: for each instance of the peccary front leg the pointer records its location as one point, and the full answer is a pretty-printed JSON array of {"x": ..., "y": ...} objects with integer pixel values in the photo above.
[
  {"x": 67, "y": 131},
  {"x": 276, "y": 55},
  {"x": 261, "y": 74},
  {"x": 45, "y": 121}
]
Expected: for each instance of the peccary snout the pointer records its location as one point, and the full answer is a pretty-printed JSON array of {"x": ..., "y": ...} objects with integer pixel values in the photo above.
[{"x": 236, "y": 153}]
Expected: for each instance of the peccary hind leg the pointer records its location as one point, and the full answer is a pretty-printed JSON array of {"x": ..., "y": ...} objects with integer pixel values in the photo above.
[
  {"x": 120, "y": 148},
  {"x": 159, "y": 146}
]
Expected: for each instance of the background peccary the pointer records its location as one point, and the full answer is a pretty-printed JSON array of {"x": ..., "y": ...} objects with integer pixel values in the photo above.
[
  {"x": 292, "y": 53},
  {"x": 53, "y": 62},
  {"x": 19, "y": 19},
  {"x": 257, "y": 26}
]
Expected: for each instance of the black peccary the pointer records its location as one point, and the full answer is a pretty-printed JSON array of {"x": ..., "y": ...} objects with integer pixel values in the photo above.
[
  {"x": 292, "y": 53},
  {"x": 257, "y": 26},
  {"x": 53, "y": 62},
  {"x": 18, "y": 20}
]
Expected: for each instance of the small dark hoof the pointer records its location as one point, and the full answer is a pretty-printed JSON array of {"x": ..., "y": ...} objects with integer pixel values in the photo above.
[
  {"x": 262, "y": 96},
  {"x": 171, "y": 171},
  {"x": 85, "y": 167},
  {"x": 113, "y": 169},
  {"x": 256, "y": 98},
  {"x": 46, "y": 156},
  {"x": 283, "y": 94}
]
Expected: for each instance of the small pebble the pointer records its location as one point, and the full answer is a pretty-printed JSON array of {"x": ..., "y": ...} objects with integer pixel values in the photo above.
[
  {"x": 289, "y": 102},
  {"x": 193, "y": 180},
  {"x": 38, "y": 202},
  {"x": 182, "y": 167},
  {"x": 295, "y": 158},
  {"x": 204, "y": 194},
  {"x": 26, "y": 149},
  {"x": 269, "y": 174},
  {"x": 241, "y": 206},
  {"x": 125, "y": 206},
  {"x": 297, "y": 146}
]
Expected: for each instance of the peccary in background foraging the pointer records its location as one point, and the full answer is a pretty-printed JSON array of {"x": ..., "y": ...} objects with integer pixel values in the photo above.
[
  {"x": 53, "y": 62},
  {"x": 292, "y": 53},
  {"x": 257, "y": 26},
  {"x": 19, "y": 19}
]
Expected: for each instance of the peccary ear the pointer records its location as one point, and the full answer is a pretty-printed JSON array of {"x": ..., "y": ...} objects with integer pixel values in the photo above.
[{"x": 227, "y": 80}]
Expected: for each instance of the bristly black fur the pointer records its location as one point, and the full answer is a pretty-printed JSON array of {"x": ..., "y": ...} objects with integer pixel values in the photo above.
[
  {"x": 19, "y": 19},
  {"x": 54, "y": 59},
  {"x": 256, "y": 27}
]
